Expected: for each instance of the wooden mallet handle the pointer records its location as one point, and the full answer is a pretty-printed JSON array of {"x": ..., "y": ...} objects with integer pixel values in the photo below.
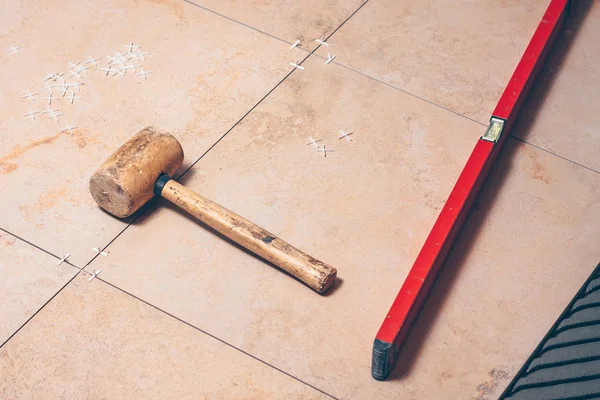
[{"x": 309, "y": 270}]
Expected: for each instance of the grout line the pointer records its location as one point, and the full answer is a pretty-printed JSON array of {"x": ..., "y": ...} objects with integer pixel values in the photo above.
[
  {"x": 344, "y": 22},
  {"x": 272, "y": 89},
  {"x": 334, "y": 62},
  {"x": 554, "y": 154},
  {"x": 237, "y": 22},
  {"x": 79, "y": 271},
  {"x": 150, "y": 204},
  {"x": 213, "y": 336},
  {"x": 385, "y": 83},
  {"x": 146, "y": 206},
  {"x": 404, "y": 91},
  {"x": 82, "y": 270},
  {"x": 244, "y": 116},
  {"x": 39, "y": 248},
  {"x": 310, "y": 53},
  {"x": 313, "y": 52}
]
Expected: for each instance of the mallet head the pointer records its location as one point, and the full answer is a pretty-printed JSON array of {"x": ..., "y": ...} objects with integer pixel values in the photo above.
[{"x": 125, "y": 181}]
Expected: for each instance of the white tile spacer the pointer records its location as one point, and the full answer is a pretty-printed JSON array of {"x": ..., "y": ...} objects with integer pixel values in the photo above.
[
  {"x": 108, "y": 70},
  {"x": 130, "y": 66},
  {"x": 92, "y": 60},
  {"x": 81, "y": 68},
  {"x": 76, "y": 70},
  {"x": 296, "y": 43},
  {"x": 74, "y": 75},
  {"x": 313, "y": 141},
  {"x": 131, "y": 46},
  {"x": 139, "y": 55},
  {"x": 47, "y": 87},
  {"x": 14, "y": 49},
  {"x": 31, "y": 114},
  {"x": 102, "y": 253},
  {"x": 144, "y": 73},
  {"x": 64, "y": 90},
  {"x": 95, "y": 274},
  {"x": 49, "y": 98},
  {"x": 52, "y": 114},
  {"x": 53, "y": 76},
  {"x": 345, "y": 135},
  {"x": 296, "y": 65},
  {"x": 48, "y": 110},
  {"x": 322, "y": 41},
  {"x": 119, "y": 71},
  {"x": 69, "y": 128},
  {"x": 73, "y": 97},
  {"x": 63, "y": 259},
  {"x": 324, "y": 150},
  {"x": 330, "y": 58},
  {"x": 116, "y": 59},
  {"x": 29, "y": 95},
  {"x": 76, "y": 85},
  {"x": 76, "y": 65}
]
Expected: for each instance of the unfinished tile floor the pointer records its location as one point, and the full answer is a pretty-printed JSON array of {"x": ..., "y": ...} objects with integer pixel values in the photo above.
[{"x": 177, "y": 312}]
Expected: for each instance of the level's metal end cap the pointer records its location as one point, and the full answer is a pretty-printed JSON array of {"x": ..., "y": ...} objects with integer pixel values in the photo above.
[{"x": 381, "y": 365}]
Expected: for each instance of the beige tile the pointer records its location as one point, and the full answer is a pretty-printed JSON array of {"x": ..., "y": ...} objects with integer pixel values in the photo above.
[
  {"x": 207, "y": 72},
  {"x": 563, "y": 117},
  {"x": 287, "y": 20},
  {"x": 524, "y": 253},
  {"x": 28, "y": 278},
  {"x": 365, "y": 209},
  {"x": 527, "y": 248},
  {"x": 459, "y": 55},
  {"x": 93, "y": 341}
]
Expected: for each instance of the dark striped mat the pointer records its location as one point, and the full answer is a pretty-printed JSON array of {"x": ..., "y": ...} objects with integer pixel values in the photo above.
[{"x": 566, "y": 364}]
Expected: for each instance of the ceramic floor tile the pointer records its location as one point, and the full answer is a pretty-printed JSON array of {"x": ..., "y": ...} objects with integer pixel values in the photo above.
[
  {"x": 459, "y": 55},
  {"x": 527, "y": 248},
  {"x": 207, "y": 72},
  {"x": 28, "y": 278},
  {"x": 366, "y": 209},
  {"x": 93, "y": 341},
  {"x": 566, "y": 97},
  {"x": 525, "y": 252},
  {"x": 287, "y": 20}
]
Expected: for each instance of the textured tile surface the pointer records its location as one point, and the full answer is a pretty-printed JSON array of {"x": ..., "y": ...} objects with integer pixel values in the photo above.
[
  {"x": 288, "y": 20},
  {"x": 94, "y": 341},
  {"x": 527, "y": 248},
  {"x": 28, "y": 278},
  {"x": 563, "y": 116},
  {"x": 459, "y": 55},
  {"x": 525, "y": 252},
  {"x": 206, "y": 73},
  {"x": 365, "y": 209}
]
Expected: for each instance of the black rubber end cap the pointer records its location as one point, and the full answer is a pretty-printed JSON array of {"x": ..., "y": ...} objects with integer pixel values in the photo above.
[
  {"x": 381, "y": 364},
  {"x": 160, "y": 183}
]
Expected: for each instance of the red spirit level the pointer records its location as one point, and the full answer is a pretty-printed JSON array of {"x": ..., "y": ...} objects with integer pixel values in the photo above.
[{"x": 401, "y": 317}]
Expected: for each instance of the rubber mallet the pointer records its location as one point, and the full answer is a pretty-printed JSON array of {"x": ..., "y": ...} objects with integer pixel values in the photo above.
[{"x": 143, "y": 167}]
